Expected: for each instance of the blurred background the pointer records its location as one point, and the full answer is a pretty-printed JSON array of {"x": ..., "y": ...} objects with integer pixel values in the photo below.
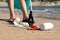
[{"x": 51, "y": 8}]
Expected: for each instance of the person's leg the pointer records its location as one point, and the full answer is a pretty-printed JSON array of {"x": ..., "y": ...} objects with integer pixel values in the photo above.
[
  {"x": 11, "y": 8},
  {"x": 24, "y": 10}
]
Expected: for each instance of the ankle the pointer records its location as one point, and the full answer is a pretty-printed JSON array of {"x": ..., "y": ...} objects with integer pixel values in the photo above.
[
  {"x": 12, "y": 18},
  {"x": 25, "y": 18}
]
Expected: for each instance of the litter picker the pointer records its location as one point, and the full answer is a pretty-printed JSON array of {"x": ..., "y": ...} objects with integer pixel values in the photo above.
[{"x": 31, "y": 19}]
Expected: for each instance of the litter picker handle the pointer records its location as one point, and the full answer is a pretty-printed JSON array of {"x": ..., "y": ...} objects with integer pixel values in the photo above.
[
  {"x": 31, "y": 19},
  {"x": 30, "y": 5}
]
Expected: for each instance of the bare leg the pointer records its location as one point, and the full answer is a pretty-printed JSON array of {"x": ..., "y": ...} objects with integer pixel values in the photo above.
[
  {"x": 11, "y": 8},
  {"x": 25, "y": 14}
]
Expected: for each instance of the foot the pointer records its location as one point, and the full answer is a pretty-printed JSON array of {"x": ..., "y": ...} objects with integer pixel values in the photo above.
[
  {"x": 11, "y": 21},
  {"x": 28, "y": 21}
]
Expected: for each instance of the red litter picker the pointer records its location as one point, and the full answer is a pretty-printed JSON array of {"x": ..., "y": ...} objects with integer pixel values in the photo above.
[{"x": 31, "y": 19}]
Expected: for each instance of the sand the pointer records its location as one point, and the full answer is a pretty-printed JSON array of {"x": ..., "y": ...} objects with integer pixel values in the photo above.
[{"x": 9, "y": 32}]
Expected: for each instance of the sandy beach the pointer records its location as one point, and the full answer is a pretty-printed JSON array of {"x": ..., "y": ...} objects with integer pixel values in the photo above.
[{"x": 9, "y": 32}]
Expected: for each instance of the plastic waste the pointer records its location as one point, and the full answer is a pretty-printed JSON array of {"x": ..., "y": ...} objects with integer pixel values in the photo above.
[
  {"x": 17, "y": 20},
  {"x": 17, "y": 24},
  {"x": 24, "y": 24},
  {"x": 46, "y": 26}
]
